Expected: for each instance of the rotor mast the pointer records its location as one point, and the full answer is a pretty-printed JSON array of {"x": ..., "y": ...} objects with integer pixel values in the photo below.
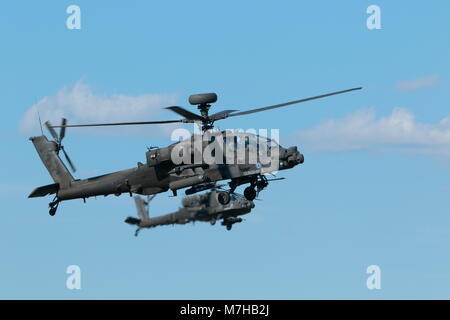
[{"x": 203, "y": 102}]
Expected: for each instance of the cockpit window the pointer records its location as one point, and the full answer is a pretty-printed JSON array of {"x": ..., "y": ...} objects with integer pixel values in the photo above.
[{"x": 249, "y": 140}]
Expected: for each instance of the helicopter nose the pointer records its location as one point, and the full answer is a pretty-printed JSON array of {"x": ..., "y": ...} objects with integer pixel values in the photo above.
[
  {"x": 291, "y": 157},
  {"x": 294, "y": 156},
  {"x": 301, "y": 158}
]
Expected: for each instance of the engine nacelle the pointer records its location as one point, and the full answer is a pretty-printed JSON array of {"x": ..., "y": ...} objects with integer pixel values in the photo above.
[{"x": 157, "y": 156}]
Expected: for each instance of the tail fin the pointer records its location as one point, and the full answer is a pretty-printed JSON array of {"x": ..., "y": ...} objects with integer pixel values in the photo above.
[
  {"x": 141, "y": 208},
  {"x": 47, "y": 152}
]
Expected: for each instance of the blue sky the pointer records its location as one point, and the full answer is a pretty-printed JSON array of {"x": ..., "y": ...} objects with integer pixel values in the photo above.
[{"x": 374, "y": 188}]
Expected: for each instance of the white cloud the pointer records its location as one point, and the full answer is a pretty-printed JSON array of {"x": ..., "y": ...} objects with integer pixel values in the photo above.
[
  {"x": 419, "y": 83},
  {"x": 79, "y": 104},
  {"x": 362, "y": 130}
]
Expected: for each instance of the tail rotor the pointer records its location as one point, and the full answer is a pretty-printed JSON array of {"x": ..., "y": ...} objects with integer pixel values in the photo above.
[{"x": 58, "y": 140}]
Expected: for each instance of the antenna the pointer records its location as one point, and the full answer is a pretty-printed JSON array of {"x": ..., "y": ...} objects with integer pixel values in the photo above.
[
  {"x": 40, "y": 123},
  {"x": 39, "y": 116}
]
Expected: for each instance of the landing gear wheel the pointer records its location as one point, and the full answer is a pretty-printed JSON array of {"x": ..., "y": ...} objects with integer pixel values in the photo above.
[
  {"x": 212, "y": 221},
  {"x": 52, "y": 211},
  {"x": 53, "y": 206},
  {"x": 229, "y": 227},
  {"x": 250, "y": 193}
]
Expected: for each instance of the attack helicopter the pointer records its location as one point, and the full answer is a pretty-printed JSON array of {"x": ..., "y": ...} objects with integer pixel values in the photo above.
[
  {"x": 209, "y": 207},
  {"x": 161, "y": 173}
]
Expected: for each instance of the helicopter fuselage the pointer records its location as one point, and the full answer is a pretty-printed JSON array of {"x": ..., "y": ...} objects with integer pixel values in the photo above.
[
  {"x": 208, "y": 207},
  {"x": 161, "y": 174}
]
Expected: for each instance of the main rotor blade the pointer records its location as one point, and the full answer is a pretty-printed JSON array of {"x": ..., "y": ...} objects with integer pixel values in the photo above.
[
  {"x": 123, "y": 123},
  {"x": 72, "y": 166},
  {"x": 292, "y": 102},
  {"x": 62, "y": 133},
  {"x": 185, "y": 113},
  {"x": 52, "y": 131},
  {"x": 221, "y": 114}
]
